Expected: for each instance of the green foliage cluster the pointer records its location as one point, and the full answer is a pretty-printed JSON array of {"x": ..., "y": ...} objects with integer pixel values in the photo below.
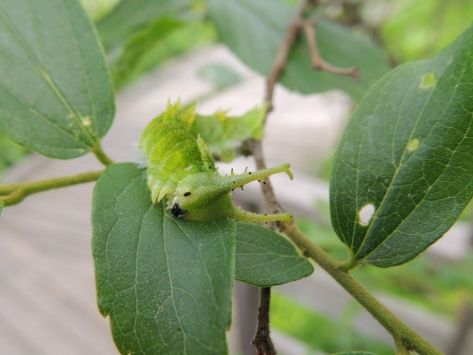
[{"x": 419, "y": 29}]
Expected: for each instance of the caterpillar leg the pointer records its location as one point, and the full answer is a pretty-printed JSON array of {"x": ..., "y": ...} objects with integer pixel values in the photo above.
[{"x": 245, "y": 216}]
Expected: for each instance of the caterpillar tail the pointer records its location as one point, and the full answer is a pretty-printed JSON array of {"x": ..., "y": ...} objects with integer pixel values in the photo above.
[
  {"x": 240, "y": 180},
  {"x": 245, "y": 216}
]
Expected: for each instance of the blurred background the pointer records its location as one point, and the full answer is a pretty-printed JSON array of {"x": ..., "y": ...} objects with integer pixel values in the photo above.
[{"x": 169, "y": 52}]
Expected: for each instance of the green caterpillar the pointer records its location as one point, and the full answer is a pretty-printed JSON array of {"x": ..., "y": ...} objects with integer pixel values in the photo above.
[{"x": 181, "y": 171}]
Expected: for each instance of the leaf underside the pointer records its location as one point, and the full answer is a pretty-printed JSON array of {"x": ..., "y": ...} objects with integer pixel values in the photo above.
[
  {"x": 159, "y": 279},
  {"x": 56, "y": 95},
  {"x": 265, "y": 258},
  {"x": 253, "y": 30},
  {"x": 403, "y": 172},
  {"x": 131, "y": 16}
]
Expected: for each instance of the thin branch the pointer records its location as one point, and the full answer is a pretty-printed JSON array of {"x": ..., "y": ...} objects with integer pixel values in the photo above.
[
  {"x": 101, "y": 155},
  {"x": 284, "y": 50},
  {"x": 318, "y": 62},
  {"x": 13, "y": 194},
  {"x": 404, "y": 337},
  {"x": 401, "y": 333},
  {"x": 262, "y": 340}
]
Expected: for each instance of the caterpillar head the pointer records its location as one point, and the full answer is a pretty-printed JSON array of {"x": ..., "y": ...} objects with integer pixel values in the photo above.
[
  {"x": 201, "y": 190},
  {"x": 207, "y": 195}
]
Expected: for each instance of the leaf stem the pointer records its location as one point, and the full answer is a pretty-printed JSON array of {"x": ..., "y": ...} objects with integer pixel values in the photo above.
[
  {"x": 318, "y": 62},
  {"x": 349, "y": 264},
  {"x": 101, "y": 155},
  {"x": 13, "y": 194},
  {"x": 402, "y": 334}
]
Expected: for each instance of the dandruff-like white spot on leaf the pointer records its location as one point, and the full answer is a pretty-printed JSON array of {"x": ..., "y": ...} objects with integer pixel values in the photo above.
[{"x": 365, "y": 214}]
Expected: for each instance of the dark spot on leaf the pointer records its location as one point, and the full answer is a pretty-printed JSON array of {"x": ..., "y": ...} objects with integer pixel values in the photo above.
[{"x": 187, "y": 193}]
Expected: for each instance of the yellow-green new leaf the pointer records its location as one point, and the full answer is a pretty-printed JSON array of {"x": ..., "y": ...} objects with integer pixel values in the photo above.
[
  {"x": 403, "y": 172},
  {"x": 56, "y": 95}
]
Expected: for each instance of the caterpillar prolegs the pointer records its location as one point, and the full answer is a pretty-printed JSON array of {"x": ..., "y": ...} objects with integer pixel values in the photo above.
[{"x": 182, "y": 172}]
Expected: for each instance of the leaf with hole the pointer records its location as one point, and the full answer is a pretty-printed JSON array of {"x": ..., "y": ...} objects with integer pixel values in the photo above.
[
  {"x": 159, "y": 279},
  {"x": 56, "y": 96},
  {"x": 265, "y": 258},
  {"x": 253, "y": 30},
  {"x": 403, "y": 172}
]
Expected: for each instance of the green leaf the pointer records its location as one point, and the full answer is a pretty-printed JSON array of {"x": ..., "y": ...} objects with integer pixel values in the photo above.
[
  {"x": 165, "y": 283},
  {"x": 253, "y": 30},
  {"x": 220, "y": 75},
  {"x": 404, "y": 169},
  {"x": 139, "y": 46},
  {"x": 419, "y": 29},
  {"x": 224, "y": 134},
  {"x": 265, "y": 258},
  {"x": 131, "y": 16},
  {"x": 56, "y": 96},
  {"x": 354, "y": 352}
]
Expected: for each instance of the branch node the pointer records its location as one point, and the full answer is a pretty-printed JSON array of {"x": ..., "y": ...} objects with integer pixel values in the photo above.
[{"x": 318, "y": 63}]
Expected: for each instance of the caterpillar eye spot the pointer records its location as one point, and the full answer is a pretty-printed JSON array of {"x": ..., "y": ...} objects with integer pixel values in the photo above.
[
  {"x": 187, "y": 194},
  {"x": 177, "y": 211}
]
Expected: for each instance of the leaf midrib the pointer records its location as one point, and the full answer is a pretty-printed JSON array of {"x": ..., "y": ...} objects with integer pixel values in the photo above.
[{"x": 40, "y": 69}]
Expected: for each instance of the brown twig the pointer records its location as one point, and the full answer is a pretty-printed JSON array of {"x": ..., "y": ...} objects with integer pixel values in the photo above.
[
  {"x": 318, "y": 62},
  {"x": 405, "y": 338},
  {"x": 262, "y": 340}
]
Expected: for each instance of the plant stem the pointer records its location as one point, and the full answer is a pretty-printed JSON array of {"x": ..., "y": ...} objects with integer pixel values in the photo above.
[
  {"x": 101, "y": 155},
  {"x": 402, "y": 334},
  {"x": 15, "y": 193},
  {"x": 405, "y": 338},
  {"x": 262, "y": 340}
]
